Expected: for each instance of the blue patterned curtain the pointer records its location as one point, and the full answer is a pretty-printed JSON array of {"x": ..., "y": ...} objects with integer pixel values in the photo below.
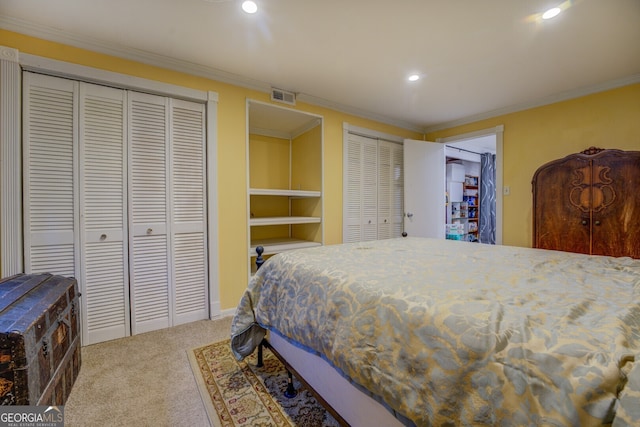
[{"x": 487, "y": 218}]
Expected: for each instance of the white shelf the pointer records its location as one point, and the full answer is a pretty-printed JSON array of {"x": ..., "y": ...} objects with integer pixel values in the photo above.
[
  {"x": 284, "y": 220},
  {"x": 274, "y": 246},
  {"x": 288, "y": 193}
]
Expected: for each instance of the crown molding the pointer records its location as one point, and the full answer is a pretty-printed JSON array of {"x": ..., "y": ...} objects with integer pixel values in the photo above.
[
  {"x": 162, "y": 61},
  {"x": 562, "y": 96}
]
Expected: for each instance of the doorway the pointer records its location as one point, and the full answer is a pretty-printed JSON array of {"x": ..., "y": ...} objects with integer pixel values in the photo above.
[{"x": 468, "y": 147}]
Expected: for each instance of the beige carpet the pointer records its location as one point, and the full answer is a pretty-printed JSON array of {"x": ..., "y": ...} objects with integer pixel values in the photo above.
[
  {"x": 143, "y": 380},
  {"x": 241, "y": 394}
]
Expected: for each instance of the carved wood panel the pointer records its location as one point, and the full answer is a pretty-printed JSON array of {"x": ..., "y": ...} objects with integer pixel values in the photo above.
[{"x": 589, "y": 203}]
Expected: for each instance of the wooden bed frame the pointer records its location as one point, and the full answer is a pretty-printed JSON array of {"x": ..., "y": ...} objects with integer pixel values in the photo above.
[{"x": 349, "y": 405}]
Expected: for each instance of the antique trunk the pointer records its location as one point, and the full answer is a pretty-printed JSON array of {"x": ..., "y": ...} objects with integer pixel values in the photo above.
[{"x": 39, "y": 339}]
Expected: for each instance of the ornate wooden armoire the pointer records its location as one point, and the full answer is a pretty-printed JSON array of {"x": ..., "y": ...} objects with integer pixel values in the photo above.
[{"x": 589, "y": 203}]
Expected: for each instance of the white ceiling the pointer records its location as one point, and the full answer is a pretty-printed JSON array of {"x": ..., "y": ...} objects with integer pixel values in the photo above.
[{"x": 476, "y": 57}]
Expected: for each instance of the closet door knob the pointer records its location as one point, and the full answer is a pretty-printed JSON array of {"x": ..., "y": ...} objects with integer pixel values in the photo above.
[
  {"x": 597, "y": 222},
  {"x": 103, "y": 237},
  {"x": 149, "y": 230},
  {"x": 584, "y": 222}
]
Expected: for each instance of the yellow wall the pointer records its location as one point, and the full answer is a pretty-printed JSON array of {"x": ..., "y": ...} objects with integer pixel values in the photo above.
[
  {"x": 533, "y": 137},
  {"x": 268, "y": 162},
  {"x": 232, "y": 173}
]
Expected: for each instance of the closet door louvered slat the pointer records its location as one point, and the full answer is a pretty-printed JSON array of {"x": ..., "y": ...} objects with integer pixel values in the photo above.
[
  {"x": 188, "y": 207},
  {"x": 103, "y": 213},
  {"x": 149, "y": 213},
  {"x": 50, "y": 109}
]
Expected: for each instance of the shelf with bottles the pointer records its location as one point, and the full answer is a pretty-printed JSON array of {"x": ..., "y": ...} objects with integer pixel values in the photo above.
[
  {"x": 471, "y": 181},
  {"x": 472, "y": 212},
  {"x": 471, "y": 195}
]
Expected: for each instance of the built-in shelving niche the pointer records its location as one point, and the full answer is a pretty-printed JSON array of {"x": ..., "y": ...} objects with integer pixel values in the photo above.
[{"x": 285, "y": 182}]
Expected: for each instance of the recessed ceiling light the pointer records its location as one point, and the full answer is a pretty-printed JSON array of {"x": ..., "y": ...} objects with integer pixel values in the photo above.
[
  {"x": 249, "y": 6},
  {"x": 553, "y": 12},
  {"x": 414, "y": 77}
]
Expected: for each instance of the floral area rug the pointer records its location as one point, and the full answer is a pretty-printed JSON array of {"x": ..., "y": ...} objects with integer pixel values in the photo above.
[{"x": 241, "y": 394}]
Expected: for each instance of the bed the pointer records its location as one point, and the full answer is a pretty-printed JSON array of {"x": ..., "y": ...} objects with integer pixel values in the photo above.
[{"x": 441, "y": 332}]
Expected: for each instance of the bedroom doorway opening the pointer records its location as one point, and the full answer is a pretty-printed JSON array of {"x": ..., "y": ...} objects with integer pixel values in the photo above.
[
  {"x": 482, "y": 151},
  {"x": 425, "y": 189},
  {"x": 471, "y": 190}
]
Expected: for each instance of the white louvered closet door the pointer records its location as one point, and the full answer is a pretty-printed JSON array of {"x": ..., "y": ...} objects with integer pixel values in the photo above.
[
  {"x": 397, "y": 185},
  {"x": 384, "y": 191},
  {"x": 115, "y": 195},
  {"x": 362, "y": 189},
  {"x": 369, "y": 190},
  {"x": 390, "y": 190},
  {"x": 188, "y": 208},
  {"x": 373, "y": 192},
  {"x": 103, "y": 224},
  {"x": 149, "y": 219},
  {"x": 353, "y": 187},
  {"x": 50, "y": 153}
]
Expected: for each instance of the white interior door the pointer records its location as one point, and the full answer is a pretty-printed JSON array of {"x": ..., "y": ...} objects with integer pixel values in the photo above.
[{"x": 424, "y": 189}]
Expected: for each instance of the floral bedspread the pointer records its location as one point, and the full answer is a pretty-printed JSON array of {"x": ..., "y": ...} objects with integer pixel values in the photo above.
[{"x": 456, "y": 333}]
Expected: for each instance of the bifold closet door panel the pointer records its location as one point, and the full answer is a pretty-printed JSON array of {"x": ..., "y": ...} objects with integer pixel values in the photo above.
[
  {"x": 50, "y": 120},
  {"x": 384, "y": 191},
  {"x": 362, "y": 189},
  {"x": 390, "y": 190},
  {"x": 188, "y": 196},
  {"x": 103, "y": 210},
  {"x": 150, "y": 268},
  {"x": 397, "y": 189}
]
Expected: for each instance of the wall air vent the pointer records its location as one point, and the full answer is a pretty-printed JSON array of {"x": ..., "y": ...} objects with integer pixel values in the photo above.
[{"x": 280, "y": 95}]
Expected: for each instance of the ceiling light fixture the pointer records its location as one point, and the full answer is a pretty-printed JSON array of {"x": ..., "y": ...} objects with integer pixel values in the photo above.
[
  {"x": 414, "y": 77},
  {"x": 249, "y": 6},
  {"x": 551, "y": 13}
]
